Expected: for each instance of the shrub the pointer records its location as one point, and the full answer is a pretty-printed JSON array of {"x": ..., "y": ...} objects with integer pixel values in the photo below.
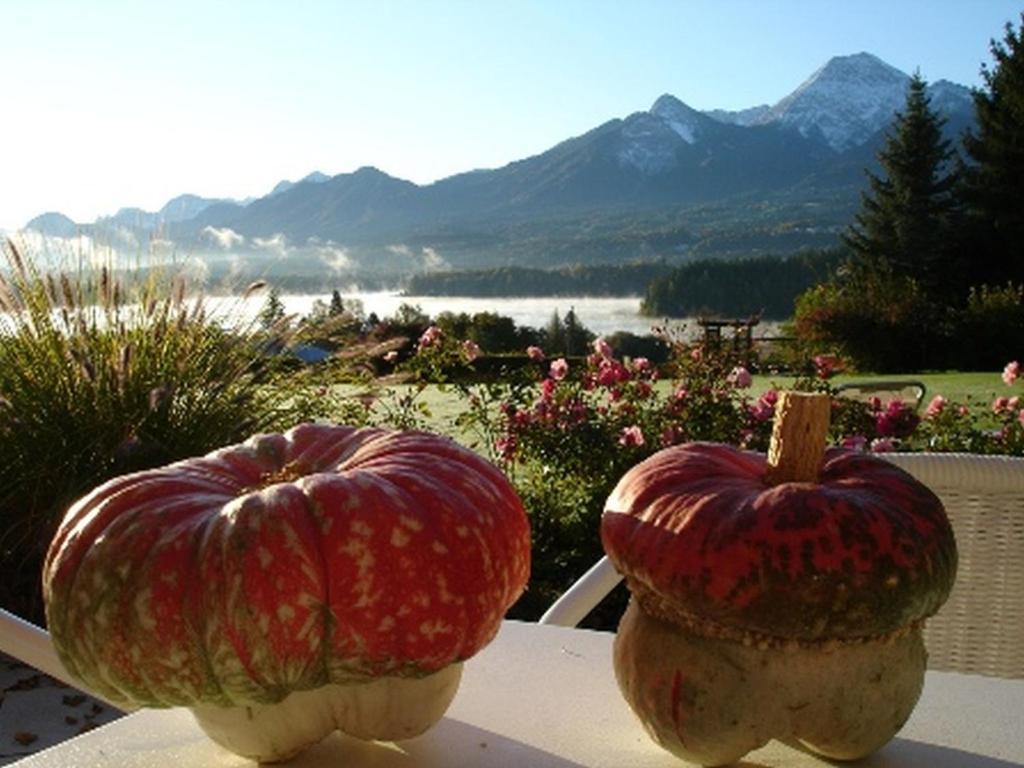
[
  {"x": 565, "y": 430},
  {"x": 98, "y": 378},
  {"x": 991, "y": 326},
  {"x": 877, "y": 321}
]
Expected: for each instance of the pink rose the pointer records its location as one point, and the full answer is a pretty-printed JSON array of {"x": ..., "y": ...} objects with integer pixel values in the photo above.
[
  {"x": 430, "y": 337},
  {"x": 827, "y": 366},
  {"x": 470, "y": 350},
  {"x": 631, "y": 436},
  {"x": 535, "y": 353},
  {"x": 1000, "y": 404},
  {"x": 740, "y": 377},
  {"x": 611, "y": 372},
  {"x": 1011, "y": 372},
  {"x": 547, "y": 388},
  {"x": 935, "y": 407},
  {"x": 602, "y": 347},
  {"x": 506, "y": 448},
  {"x": 762, "y": 411},
  {"x": 559, "y": 369}
]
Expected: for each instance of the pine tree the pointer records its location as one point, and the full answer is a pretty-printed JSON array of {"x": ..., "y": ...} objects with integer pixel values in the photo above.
[
  {"x": 554, "y": 335},
  {"x": 993, "y": 189},
  {"x": 272, "y": 312},
  {"x": 337, "y": 305},
  {"x": 577, "y": 337},
  {"x": 907, "y": 215}
]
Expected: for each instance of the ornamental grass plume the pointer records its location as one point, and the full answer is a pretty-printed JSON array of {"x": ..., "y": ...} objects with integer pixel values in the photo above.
[{"x": 104, "y": 373}]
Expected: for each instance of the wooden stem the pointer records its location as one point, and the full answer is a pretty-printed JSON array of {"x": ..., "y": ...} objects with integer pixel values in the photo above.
[{"x": 799, "y": 433}]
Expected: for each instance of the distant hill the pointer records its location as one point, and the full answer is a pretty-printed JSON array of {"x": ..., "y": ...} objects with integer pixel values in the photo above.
[
  {"x": 56, "y": 224},
  {"x": 283, "y": 186},
  {"x": 669, "y": 183}
]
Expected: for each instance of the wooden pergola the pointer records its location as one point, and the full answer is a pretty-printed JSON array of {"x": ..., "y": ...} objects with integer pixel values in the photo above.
[{"x": 741, "y": 341}]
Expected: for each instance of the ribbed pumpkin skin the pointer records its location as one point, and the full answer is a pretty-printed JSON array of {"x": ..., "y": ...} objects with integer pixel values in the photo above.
[
  {"x": 325, "y": 555},
  {"x": 864, "y": 551}
]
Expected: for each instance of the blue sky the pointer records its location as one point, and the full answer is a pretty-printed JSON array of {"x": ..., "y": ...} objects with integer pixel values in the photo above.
[{"x": 111, "y": 104}]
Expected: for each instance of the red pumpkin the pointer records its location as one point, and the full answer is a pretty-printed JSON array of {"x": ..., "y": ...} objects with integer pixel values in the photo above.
[
  {"x": 322, "y": 557},
  {"x": 863, "y": 551},
  {"x": 776, "y": 597}
]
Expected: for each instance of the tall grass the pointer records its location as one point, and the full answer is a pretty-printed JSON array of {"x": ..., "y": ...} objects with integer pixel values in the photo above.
[{"x": 103, "y": 374}]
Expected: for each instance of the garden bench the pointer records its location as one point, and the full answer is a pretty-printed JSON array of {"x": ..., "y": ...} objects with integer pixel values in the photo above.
[{"x": 907, "y": 390}]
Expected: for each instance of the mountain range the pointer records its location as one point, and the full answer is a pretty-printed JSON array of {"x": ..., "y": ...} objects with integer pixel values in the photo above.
[{"x": 667, "y": 183}]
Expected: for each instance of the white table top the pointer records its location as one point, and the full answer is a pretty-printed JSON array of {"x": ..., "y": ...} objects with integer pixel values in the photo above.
[{"x": 545, "y": 697}]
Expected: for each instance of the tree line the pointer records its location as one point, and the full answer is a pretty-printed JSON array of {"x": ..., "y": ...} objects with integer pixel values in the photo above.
[{"x": 765, "y": 285}]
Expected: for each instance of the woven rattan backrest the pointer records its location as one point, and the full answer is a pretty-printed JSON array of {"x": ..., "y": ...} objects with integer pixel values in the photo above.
[{"x": 981, "y": 628}]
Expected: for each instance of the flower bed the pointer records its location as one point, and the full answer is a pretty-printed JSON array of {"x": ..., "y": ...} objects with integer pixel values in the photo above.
[{"x": 565, "y": 431}]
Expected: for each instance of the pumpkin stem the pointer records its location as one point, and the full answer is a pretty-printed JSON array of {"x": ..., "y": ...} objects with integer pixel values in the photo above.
[
  {"x": 286, "y": 474},
  {"x": 799, "y": 432}
]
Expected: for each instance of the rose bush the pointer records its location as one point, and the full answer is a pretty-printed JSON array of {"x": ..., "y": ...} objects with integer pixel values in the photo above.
[
  {"x": 565, "y": 429},
  {"x": 944, "y": 426}
]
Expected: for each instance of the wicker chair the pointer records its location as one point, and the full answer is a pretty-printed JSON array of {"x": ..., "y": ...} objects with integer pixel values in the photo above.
[{"x": 980, "y": 630}]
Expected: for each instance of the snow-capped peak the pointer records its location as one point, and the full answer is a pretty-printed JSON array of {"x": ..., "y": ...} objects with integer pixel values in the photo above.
[
  {"x": 650, "y": 140},
  {"x": 845, "y": 102},
  {"x": 947, "y": 97},
  {"x": 682, "y": 119},
  {"x": 748, "y": 116}
]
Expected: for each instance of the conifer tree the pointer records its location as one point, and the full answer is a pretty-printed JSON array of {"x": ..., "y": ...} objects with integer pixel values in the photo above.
[
  {"x": 993, "y": 189},
  {"x": 554, "y": 335},
  {"x": 337, "y": 305},
  {"x": 576, "y": 336},
  {"x": 272, "y": 312},
  {"x": 907, "y": 215}
]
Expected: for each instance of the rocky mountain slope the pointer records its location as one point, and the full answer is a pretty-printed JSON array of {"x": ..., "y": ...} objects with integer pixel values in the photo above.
[{"x": 659, "y": 183}]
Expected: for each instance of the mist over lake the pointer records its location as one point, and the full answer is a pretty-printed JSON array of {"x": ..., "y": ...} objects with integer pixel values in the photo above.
[{"x": 602, "y": 315}]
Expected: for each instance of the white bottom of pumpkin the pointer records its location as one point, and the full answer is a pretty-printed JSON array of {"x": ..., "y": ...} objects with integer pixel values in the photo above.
[
  {"x": 711, "y": 701},
  {"x": 386, "y": 709}
]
